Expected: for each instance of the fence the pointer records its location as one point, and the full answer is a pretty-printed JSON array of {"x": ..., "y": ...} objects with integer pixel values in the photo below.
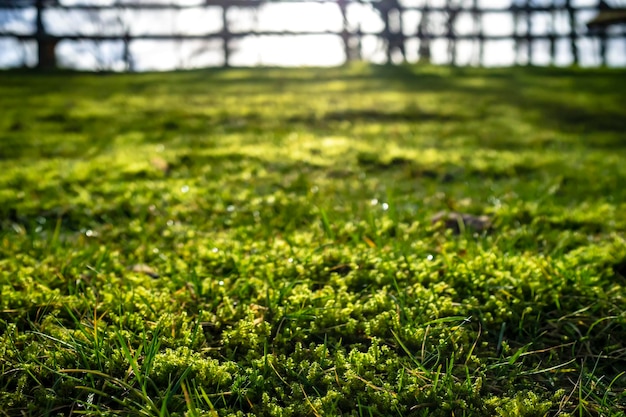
[{"x": 394, "y": 35}]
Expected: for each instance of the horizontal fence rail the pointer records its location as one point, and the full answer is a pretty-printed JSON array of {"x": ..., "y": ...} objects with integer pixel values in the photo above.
[{"x": 393, "y": 35}]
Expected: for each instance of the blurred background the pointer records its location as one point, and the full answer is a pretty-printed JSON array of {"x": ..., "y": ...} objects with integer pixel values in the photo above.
[{"x": 147, "y": 35}]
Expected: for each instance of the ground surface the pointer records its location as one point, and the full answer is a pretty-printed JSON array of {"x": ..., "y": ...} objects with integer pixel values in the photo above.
[{"x": 260, "y": 242}]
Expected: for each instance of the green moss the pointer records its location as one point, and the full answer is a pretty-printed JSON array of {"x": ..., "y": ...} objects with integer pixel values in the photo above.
[{"x": 259, "y": 242}]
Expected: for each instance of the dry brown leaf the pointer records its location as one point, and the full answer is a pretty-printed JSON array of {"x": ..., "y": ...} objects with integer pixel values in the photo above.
[
  {"x": 461, "y": 221},
  {"x": 145, "y": 269},
  {"x": 160, "y": 164}
]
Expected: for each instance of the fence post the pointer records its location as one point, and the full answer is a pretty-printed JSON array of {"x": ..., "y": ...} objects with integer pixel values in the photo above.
[
  {"x": 603, "y": 51},
  {"x": 46, "y": 46},
  {"x": 478, "y": 28},
  {"x": 359, "y": 43},
  {"x": 452, "y": 12},
  {"x": 129, "y": 63},
  {"x": 603, "y": 6},
  {"x": 553, "y": 32},
  {"x": 423, "y": 35},
  {"x": 572, "y": 30},
  {"x": 345, "y": 34},
  {"x": 384, "y": 13},
  {"x": 226, "y": 35},
  {"x": 529, "y": 36},
  {"x": 515, "y": 10}
]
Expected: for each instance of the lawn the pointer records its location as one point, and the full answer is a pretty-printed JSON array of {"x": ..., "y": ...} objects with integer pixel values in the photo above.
[{"x": 300, "y": 242}]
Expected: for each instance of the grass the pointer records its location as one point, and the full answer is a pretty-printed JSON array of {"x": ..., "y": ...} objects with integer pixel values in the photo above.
[{"x": 259, "y": 242}]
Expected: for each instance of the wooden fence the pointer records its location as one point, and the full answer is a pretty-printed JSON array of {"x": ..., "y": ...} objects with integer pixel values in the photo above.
[{"x": 395, "y": 36}]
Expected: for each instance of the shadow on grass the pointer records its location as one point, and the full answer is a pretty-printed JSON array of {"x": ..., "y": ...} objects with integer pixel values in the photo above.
[
  {"x": 371, "y": 115},
  {"x": 578, "y": 101},
  {"x": 585, "y": 101}
]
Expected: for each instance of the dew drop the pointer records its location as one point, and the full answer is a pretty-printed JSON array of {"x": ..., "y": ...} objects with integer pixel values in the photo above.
[
  {"x": 220, "y": 283},
  {"x": 230, "y": 208},
  {"x": 290, "y": 260},
  {"x": 215, "y": 250},
  {"x": 385, "y": 206},
  {"x": 90, "y": 233},
  {"x": 374, "y": 201},
  {"x": 430, "y": 257},
  {"x": 170, "y": 223},
  {"x": 184, "y": 189}
]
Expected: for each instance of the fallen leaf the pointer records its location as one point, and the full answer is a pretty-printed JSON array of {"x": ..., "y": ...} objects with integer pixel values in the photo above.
[
  {"x": 369, "y": 242},
  {"x": 160, "y": 164},
  {"x": 145, "y": 269},
  {"x": 458, "y": 222}
]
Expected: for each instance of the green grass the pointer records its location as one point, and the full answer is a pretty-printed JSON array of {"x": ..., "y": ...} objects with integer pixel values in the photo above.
[{"x": 259, "y": 242}]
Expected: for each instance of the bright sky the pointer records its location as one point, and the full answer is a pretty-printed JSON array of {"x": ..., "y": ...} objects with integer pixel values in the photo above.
[{"x": 291, "y": 51}]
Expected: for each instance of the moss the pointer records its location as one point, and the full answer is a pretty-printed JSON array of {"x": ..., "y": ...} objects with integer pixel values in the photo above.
[{"x": 259, "y": 242}]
